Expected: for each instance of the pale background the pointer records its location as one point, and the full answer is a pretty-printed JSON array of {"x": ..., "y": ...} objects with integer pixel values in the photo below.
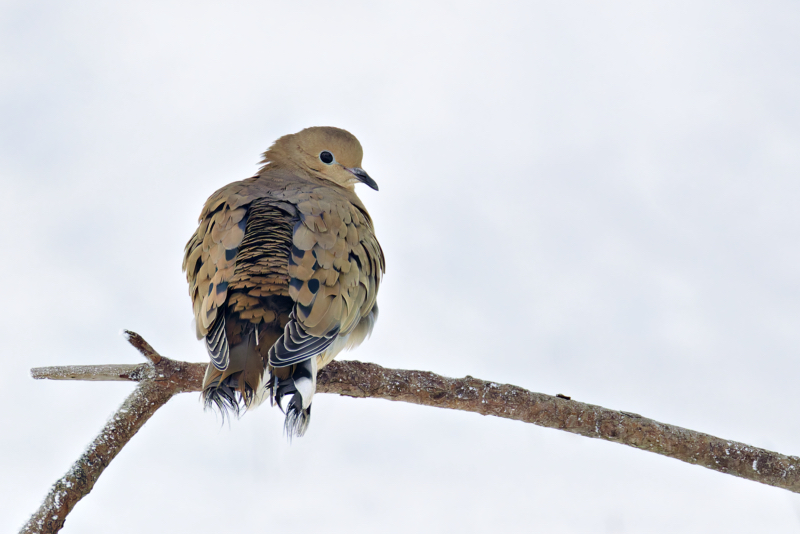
[{"x": 595, "y": 199}]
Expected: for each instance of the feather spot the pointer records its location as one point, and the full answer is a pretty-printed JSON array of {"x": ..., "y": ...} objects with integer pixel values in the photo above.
[
  {"x": 313, "y": 285},
  {"x": 355, "y": 257},
  {"x": 305, "y": 310}
]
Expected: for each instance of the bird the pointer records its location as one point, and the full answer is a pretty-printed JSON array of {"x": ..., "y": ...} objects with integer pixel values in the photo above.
[{"x": 283, "y": 272}]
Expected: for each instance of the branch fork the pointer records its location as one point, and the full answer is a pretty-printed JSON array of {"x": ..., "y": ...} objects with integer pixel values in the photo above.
[{"x": 161, "y": 378}]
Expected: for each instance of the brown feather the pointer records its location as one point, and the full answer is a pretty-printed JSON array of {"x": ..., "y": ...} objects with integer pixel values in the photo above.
[{"x": 255, "y": 236}]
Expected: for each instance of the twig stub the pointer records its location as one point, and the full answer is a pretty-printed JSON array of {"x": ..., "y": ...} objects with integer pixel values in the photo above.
[{"x": 142, "y": 346}]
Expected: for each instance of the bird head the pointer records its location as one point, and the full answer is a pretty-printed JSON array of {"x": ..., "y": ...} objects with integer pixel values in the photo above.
[{"x": 325, "y": 152}]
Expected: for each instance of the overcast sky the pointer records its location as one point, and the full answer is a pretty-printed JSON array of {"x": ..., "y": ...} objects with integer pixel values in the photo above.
[{"x": 595, "y": 199}]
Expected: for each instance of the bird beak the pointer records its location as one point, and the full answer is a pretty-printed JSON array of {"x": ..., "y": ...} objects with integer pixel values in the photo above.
[{"x": 363, "y": 177}]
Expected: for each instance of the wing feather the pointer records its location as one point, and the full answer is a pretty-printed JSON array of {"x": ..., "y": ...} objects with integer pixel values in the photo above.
[
  {"x": 210, "y": 264},
  {"x": 335, "y": 268}
]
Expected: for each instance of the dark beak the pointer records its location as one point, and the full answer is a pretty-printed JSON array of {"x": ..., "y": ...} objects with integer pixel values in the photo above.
[{"x": 363, "y": 177}]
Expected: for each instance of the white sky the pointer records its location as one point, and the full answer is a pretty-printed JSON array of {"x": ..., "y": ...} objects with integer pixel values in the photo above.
[{"x": 595, "y": 199}]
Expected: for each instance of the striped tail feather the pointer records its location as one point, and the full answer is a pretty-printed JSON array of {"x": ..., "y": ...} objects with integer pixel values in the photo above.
[{"x": 217, "y": 344}]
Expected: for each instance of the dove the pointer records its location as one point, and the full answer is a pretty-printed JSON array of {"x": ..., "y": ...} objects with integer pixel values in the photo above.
[{"x": 283, "y": 272}]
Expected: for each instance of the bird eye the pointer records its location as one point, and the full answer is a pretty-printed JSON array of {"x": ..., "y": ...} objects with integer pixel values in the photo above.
[{"x": 326, "y": 157}]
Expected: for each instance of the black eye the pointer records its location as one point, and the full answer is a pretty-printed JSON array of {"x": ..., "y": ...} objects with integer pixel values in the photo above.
[{"x": 326, "y": 157}]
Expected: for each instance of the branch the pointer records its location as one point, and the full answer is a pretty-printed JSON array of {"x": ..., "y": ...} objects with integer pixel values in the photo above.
[
  {"x": 356, "y": 379},
  {"x": 158, "y": 382},
  {"x": 80, "y": 479}
]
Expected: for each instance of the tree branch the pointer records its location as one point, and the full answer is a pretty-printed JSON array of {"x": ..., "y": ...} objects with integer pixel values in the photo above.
[
  {"x": 148, "y": 397},
  {"x": 159, "y": 382}
]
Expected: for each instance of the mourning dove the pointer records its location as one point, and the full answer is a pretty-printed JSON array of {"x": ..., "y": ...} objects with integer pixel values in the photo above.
[{"x": 283, "y": 272}]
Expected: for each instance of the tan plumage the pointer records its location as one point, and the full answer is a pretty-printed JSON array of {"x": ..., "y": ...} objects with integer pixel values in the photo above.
[{"x": 283, "y": 272}]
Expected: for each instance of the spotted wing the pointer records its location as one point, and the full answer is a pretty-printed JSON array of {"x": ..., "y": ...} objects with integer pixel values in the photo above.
[
  {"x": 335, "y": 268},
  {"x": 210, "y": 261}
]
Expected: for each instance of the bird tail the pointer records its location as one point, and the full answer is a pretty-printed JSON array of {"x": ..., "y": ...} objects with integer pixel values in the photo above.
[
  {"x": 297, "y": 382},
  {"x": 231, "y": 394},
  {"x": 235, "y": 389}
]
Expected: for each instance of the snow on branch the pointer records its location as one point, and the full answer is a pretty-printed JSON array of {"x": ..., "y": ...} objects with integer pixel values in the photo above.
[{"x": 162, "y": 378}]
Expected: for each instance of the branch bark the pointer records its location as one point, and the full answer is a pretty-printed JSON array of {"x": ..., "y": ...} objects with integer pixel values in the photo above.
[{"x": 161, "y": 380}]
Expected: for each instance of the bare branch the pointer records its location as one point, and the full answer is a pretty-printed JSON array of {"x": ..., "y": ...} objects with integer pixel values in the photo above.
[
  {"x": 157, "y": 384},
  {"x": 148, "y": 397},
  {"x": 142, "y": 346},
  {"x": 95, "y": 372},
  {"x": 357, "y": 379}
]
